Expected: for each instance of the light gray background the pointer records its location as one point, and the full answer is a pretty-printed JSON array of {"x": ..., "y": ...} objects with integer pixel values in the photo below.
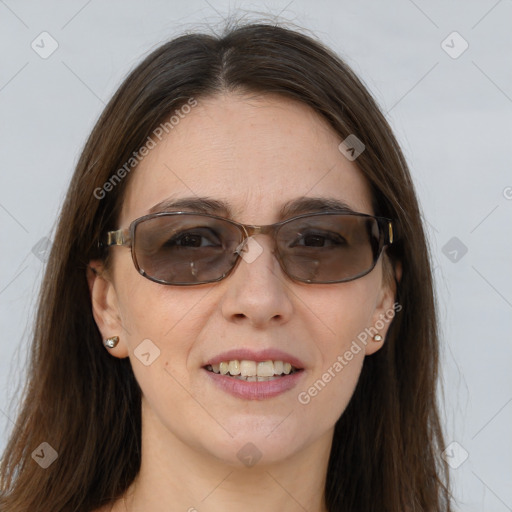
[{"x": 451, "y": 115}]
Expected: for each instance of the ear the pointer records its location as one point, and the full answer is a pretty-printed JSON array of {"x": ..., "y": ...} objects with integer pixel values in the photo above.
[
  {"x": 385, "y": 306},
  {"x": 105, "y": 308}
]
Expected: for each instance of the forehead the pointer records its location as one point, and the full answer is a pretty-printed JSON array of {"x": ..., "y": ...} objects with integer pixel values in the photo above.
[{"x": 254, "y": 154}]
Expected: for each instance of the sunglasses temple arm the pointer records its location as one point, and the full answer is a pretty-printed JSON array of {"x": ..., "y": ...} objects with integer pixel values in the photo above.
[{"x": 119, "y": 237}]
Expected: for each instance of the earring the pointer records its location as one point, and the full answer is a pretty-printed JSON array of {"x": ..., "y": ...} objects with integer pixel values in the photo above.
[
  {"x": 111, "y": 342},
  {"x": 377, "y": 337}
]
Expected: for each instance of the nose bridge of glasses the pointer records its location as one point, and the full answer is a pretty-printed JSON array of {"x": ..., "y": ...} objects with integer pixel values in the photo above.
[{"x": 251, "y": 230}]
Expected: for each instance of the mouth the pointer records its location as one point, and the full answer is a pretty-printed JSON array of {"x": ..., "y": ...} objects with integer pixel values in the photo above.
[
  {"x": 253, "y": 371},
  {"x": 254, "y": 375}
]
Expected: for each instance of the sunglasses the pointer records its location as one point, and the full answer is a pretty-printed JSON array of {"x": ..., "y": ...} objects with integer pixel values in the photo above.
[{"x": 183, "y": 248}]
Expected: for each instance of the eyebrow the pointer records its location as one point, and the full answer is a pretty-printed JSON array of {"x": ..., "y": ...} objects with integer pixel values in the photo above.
[{"x": 218, "y": 207}]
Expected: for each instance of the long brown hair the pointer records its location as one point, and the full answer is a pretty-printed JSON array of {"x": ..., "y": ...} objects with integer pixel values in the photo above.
[{"x": 86, "y": 404}]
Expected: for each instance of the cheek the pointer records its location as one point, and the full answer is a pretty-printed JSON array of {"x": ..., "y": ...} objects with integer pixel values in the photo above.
[
  {"x": 161, "y": 326},
  {"x": 149, "y": 309},
  {"x": 160, "y": 323},
  {"x": 346, "y": 313}
]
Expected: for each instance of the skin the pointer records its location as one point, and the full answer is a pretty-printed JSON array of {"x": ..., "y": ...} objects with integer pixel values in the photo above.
[{"x": 256, "y": 153}]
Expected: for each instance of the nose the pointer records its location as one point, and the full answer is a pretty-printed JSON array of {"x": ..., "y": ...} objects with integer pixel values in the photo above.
[{"x": 258, "y": 291}]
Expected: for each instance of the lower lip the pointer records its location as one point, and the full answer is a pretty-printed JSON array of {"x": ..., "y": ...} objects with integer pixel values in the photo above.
[{"x": 255, "y": 390}]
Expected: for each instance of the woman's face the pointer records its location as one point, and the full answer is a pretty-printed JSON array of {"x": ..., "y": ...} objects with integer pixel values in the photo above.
[{"x": 255, "y": 154}]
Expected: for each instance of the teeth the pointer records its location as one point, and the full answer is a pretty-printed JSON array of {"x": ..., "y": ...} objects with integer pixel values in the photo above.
[
  {"x": 224, "y": 368},
  {"x": 266, "y": 369},
  {"x": 247, "y": 368},
  {"x": 252, "y": 370},
  {"x": 234, "y": 368},
  {"x": 278, "y": 367}
]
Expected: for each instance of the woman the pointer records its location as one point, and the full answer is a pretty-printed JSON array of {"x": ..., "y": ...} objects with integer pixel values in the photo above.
[{"x": 185, "y": 359}]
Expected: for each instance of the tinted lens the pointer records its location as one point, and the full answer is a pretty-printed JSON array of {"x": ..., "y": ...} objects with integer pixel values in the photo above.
[
  {"x": 185, "y": 249},
  {"x": 328, "y": 248}
]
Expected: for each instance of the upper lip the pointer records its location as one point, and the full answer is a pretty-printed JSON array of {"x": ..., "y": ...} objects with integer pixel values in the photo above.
[{"x": 269, "y": 354}]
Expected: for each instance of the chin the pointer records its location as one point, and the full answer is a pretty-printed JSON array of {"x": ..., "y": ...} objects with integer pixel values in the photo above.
[{"x": 257, "y": 447}]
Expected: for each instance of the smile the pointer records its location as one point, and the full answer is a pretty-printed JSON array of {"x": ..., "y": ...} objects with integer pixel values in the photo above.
[{"x": 253, "y": 371}]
